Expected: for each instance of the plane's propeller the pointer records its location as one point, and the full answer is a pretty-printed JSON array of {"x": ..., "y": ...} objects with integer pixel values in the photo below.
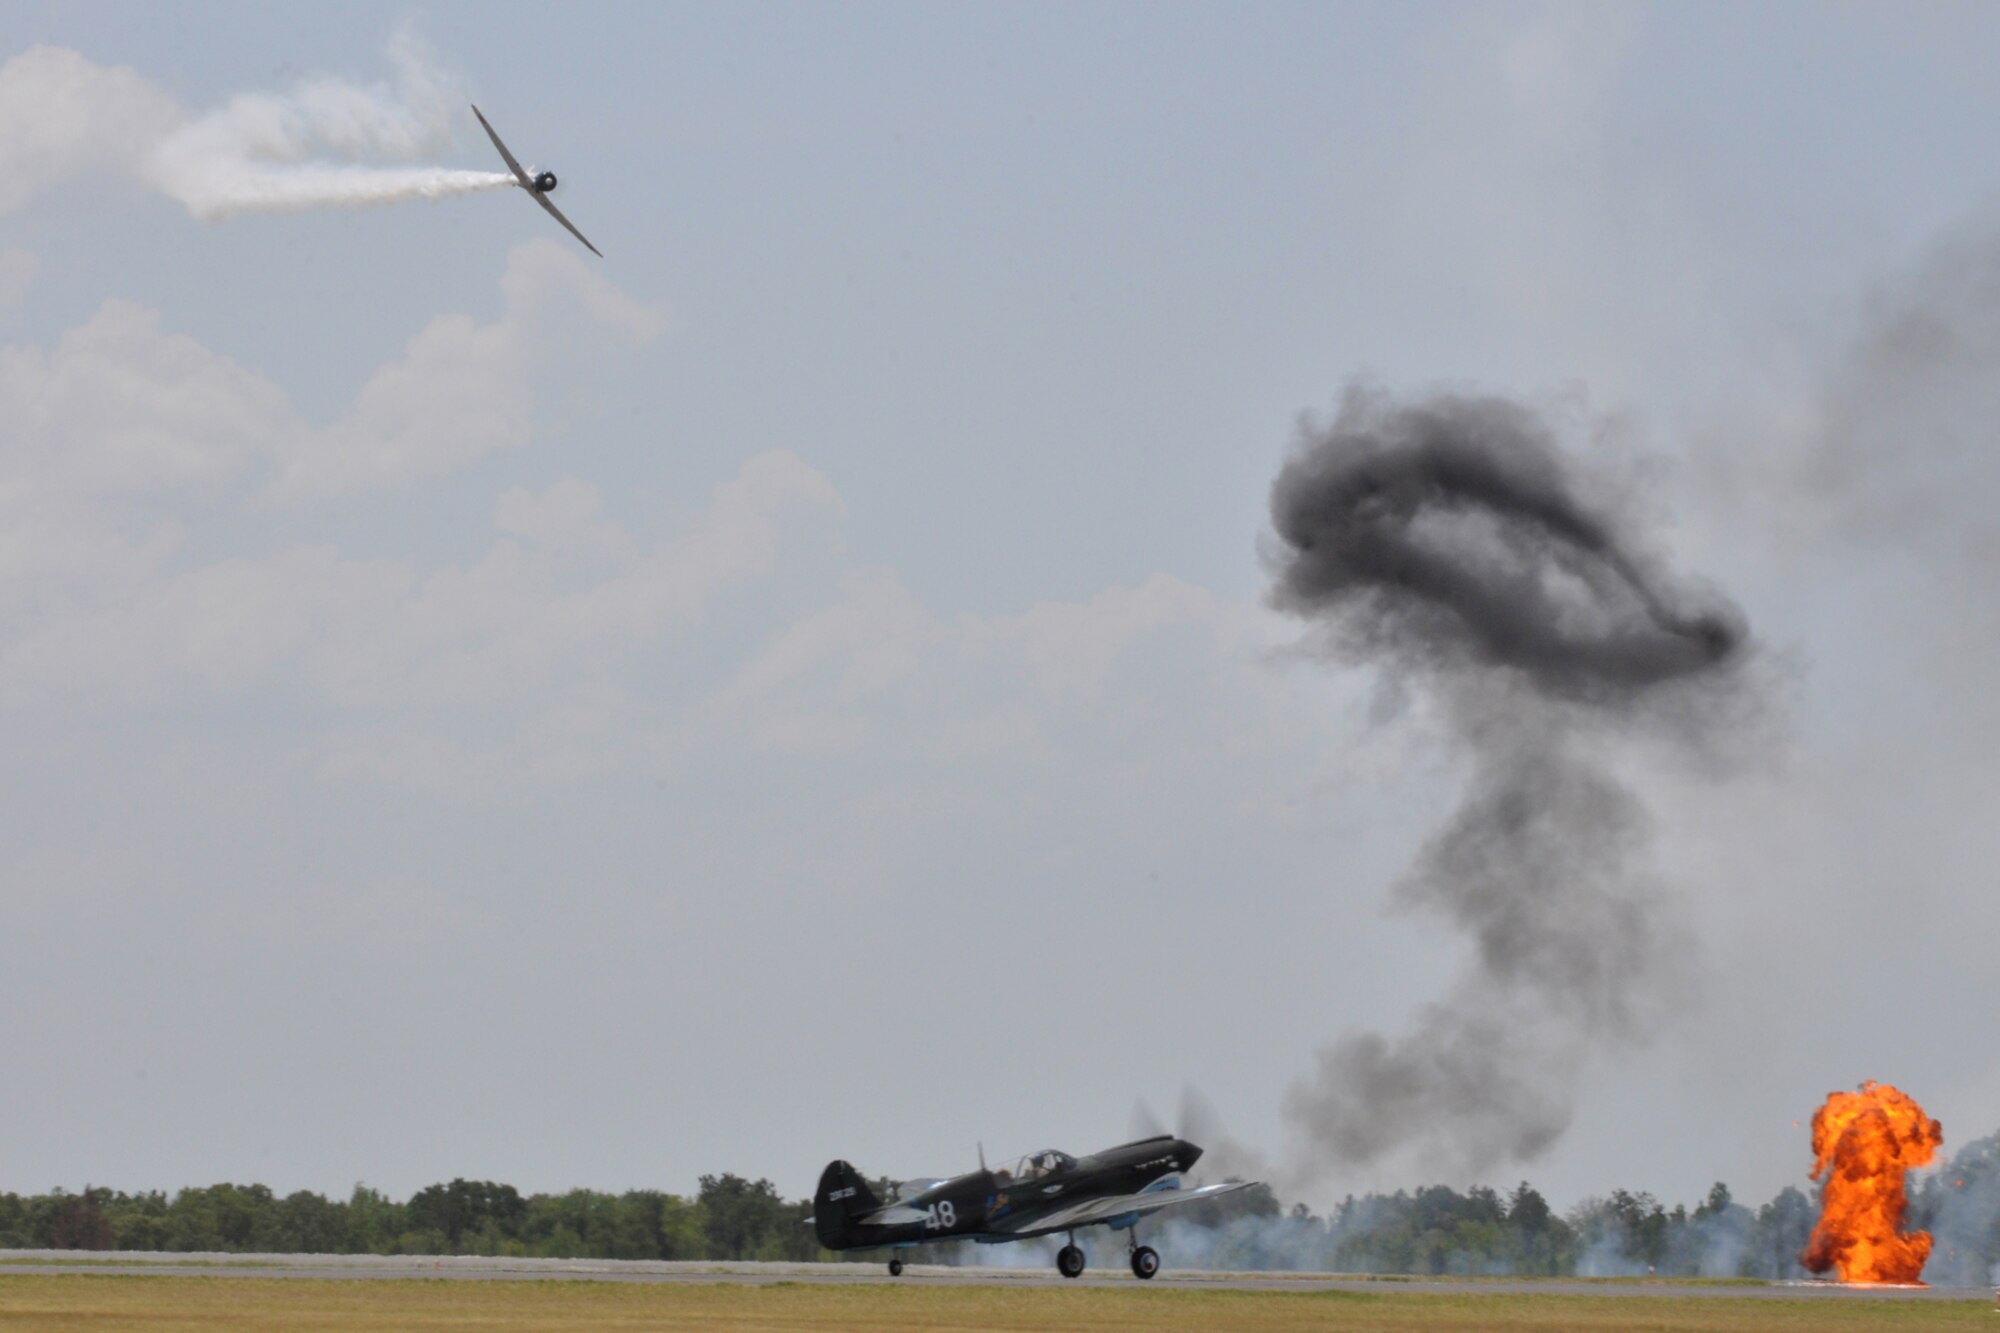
[
  {"x": 1201, "y": 1125},
  {"x": 1200, "y": 1122}
]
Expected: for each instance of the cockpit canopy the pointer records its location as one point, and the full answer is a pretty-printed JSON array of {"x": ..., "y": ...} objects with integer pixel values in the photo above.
[{"x": 1034, "y": 1166}]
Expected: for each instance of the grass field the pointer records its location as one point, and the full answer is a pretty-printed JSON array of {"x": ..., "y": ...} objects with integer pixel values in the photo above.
[{"x": 85, "y": 1300}]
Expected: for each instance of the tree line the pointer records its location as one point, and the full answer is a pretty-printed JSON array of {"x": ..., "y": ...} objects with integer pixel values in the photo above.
[
  {"x": 1432, "y": 1230},
  {"x": 729, "y": 1218}
]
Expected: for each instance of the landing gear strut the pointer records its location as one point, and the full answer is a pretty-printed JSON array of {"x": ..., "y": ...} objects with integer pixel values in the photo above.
[
  {"x": 1069, "y": 1259},
  {"x": 1145, "y": 1259},
  {"x": 895, "y": 1268}
]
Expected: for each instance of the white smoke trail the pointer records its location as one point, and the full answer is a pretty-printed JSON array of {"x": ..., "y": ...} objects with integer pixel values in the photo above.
[
  {"x": 263, "y": 153},
  {"x": 215, "y": 193}
]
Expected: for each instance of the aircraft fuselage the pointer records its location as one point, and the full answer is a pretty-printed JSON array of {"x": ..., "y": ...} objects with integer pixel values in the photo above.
[{"x": 968, "y": 1207}]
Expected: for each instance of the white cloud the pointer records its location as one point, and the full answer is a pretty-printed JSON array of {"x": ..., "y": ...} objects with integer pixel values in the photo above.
[
  {"x": 872, "y": 673},
  {"x": 17, "y": 273},
  {"x": 66, "y": 116},
  {"x": 322, "y": 144},
  {"x": 564, "y": 608},
  {"x": 324, "y": 115},
  {"x": 106, "y": 435},
  {"x": 1069, "y": 649},
  {"x": 528, "y": 662},
  {"x": 121, "y": 407},
  {"x": 866, "y": 641},
  {"x": 1520, "y": 170},
  {"x": 122, "y": 435},
  {"x": 558, "y": 599},
  {"x": 461, "y": 390}
]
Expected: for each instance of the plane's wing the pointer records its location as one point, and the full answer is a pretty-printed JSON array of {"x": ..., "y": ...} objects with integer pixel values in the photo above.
[
  {"x": 528, "y": 184},
  {"x": 556, "y": 213},
  {"x": 519, "y": 174},
  {"x": 1085, "y": 1212}
]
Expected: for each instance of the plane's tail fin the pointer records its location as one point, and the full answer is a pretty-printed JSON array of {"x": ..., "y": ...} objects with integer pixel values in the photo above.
[{"x": 842, "y": 1196}]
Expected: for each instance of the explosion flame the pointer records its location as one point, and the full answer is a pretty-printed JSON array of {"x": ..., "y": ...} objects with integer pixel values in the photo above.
[{"x": 1864, "y": 1143}]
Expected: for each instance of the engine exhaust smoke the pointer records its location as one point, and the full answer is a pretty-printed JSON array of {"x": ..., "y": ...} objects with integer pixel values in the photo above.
[
  {"x": 1450, "y": 543},
  {"x": 221, "y": 190},
  {"x": 264, "y": 153}
]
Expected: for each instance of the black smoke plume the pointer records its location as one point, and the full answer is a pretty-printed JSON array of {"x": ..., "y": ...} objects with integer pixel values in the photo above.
[{"x": 1451, "y": 543}]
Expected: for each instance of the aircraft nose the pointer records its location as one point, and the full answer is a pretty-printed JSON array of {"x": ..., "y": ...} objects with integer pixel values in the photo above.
[{"x": 1187, "y": 1155}]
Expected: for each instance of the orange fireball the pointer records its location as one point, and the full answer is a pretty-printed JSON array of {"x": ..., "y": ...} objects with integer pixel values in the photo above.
[{"x": 1863, "y": 1144}]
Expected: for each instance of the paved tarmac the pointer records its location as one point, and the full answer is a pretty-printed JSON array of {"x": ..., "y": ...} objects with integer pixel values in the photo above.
[{"x": 468, "y": 1268}]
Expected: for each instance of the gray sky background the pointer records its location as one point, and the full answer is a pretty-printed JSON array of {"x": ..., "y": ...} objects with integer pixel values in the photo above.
[{"x": 801, "y": 686}]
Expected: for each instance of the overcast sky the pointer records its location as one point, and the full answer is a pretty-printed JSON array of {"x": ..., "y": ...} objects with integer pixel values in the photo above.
[{"x": 802, "y": 686}]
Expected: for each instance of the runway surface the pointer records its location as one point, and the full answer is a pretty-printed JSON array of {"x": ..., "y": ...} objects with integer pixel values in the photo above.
[{"x": 468, "y": 1268}]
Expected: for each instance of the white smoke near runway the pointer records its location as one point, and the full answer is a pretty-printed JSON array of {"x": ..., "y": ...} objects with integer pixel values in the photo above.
[{"x": 267, "y": 153}]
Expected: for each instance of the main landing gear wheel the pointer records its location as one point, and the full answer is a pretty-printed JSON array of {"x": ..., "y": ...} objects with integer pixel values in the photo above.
[
  {"x": 895, "y": 1268},
  {"x": 1069, "y": 1261},
  {"x": 1145, "y": 1261}
]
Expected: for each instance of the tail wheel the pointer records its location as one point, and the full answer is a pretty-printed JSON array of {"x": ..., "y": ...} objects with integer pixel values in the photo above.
[
  {"x": 1145, "y": 1261},
  {"x": 1069, "y": 1261},
  {"x": 895, "y": 1268}
]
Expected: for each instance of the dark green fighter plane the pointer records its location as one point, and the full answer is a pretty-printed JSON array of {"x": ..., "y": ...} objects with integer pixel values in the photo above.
[{"x": 1039, "y": 1195}]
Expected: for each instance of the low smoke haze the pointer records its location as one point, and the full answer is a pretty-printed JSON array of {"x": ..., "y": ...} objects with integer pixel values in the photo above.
[{"x": 838, "y": 679}]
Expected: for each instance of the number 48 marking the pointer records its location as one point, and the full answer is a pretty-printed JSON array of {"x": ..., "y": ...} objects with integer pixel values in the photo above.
[{"x": 941, "y": 1217}]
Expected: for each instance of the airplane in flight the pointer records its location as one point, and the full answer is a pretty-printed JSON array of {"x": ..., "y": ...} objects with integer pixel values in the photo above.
[
  {"x": 537, "y": 186},
  {"x": 1039, "y": 1195}
]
